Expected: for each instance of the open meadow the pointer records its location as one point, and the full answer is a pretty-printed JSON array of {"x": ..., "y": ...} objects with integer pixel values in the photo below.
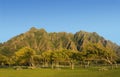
[{"x": 39, "y": 72}]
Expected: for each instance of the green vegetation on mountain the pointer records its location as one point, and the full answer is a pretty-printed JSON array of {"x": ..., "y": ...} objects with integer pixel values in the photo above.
[{"x": 40, "y": 47}]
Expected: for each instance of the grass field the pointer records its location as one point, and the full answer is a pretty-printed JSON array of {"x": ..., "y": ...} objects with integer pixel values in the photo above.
[{"x": 90, "y": 72}]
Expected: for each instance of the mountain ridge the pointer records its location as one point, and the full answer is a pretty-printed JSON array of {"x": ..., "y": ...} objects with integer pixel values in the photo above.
[{"x": 40, "y": 40}]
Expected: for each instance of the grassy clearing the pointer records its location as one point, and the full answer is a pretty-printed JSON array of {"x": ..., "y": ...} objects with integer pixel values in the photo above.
[{"x": 91, "y": 72}]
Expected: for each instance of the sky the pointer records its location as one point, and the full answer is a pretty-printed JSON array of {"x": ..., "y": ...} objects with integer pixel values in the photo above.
[{"x": 101, "y": 16}]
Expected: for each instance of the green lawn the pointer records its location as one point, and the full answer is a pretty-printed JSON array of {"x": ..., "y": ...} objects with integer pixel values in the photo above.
[{"x": 91, "y": 72}]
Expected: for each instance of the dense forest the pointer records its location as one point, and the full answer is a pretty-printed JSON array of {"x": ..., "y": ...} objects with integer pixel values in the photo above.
[{"x": 38, "y": 47}]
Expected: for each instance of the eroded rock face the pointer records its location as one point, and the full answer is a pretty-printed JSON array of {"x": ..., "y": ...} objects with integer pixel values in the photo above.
[{"x": 40, "y": 40}]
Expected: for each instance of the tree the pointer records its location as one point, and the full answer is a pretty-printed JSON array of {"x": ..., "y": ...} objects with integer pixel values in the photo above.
[
  {"x": 25, "y": 56},
  {"x": 109, "y": 56},
  {"x": 73, "y": 56},
  {"x": 3, "y": 60},
  {"x": 45, "y": 57},
  {"x": 57, "y": 57}
]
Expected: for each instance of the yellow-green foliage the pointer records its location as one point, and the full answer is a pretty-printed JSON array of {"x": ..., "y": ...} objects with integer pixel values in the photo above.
[
  {"x": 91, "y": 45},
  {"x": 25, "y": 55},
  {"x": 26, "y": 51}
]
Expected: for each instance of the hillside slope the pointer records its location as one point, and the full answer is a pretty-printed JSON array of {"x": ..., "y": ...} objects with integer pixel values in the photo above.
[{"x": 40, "y": 41}]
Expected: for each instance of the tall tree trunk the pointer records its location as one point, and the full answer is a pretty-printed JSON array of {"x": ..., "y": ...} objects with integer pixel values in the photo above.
[
  {"x": 32, "y": 62},
  {"x": 72, "y": 66}
]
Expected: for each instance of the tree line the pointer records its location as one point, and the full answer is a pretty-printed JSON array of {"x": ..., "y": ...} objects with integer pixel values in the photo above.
[
  {"x": 38, "y": 47},
  {"x": 27, "y": 57}
]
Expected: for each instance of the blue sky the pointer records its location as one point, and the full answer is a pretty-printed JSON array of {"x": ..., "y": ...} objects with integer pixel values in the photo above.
[{"x": 101, "y": 16}]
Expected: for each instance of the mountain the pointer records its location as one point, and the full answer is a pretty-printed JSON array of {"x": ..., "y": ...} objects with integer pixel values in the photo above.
[{"x": 41, "y": 41}]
